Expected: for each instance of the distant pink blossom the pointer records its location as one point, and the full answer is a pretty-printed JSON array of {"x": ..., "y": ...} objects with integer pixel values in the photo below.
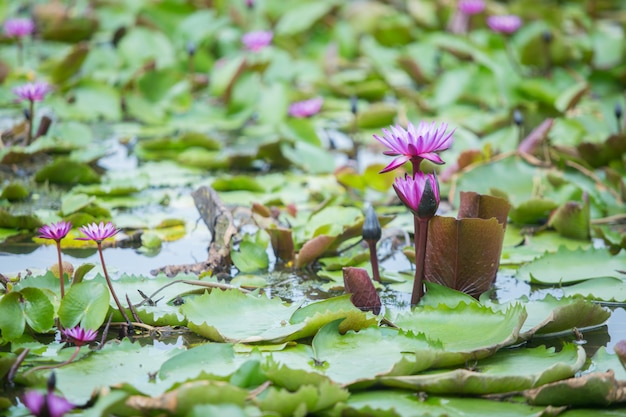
[
  {"x": 506, "y": 24},
  {"x": 415, "y": 143},
  {"x": 306, "y": 108},
  {"x": 257, "y": 40},
  {"x": 32, "y": 91},
  {"x": 19, "y": 27},
  {"x": 470, "y": 7}
]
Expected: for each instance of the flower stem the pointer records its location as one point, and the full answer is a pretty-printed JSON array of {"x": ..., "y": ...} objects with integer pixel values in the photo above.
[
  {"x": 110, "y": 284},
  {"x": 62, "y": 278},
  {"x": 58, "y": 365},
  {"x": 421, "y": 232},
  {"x": 374, "y": 259},
  {"x": 31, "y": 122}
]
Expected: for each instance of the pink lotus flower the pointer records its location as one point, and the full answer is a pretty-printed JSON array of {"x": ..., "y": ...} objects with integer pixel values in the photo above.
[
  {"x": 48, "y": 404},
  {"x": 32, "y": 91},
  {"x": 415, "y": 144},
  {"x": 420, "y": 193},
  {"x": 55, "y": 231},
  {"x": 98, "y": 232},
  {"x": 506, "y": 24},
  {"x": 80, "y": 336},
  {"x": 306, "y": 108},
  {"x": 18, "y": 27},
  {"x": 257, "y": 40},
  {"x": 470, "y": 7}
]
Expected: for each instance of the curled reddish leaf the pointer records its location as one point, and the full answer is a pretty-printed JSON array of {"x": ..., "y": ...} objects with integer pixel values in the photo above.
[
  {"x": 464, "y": 254},
  {"x": 532, "y": 141},
  {"x": 358, "y": 283},
  {"x": 313, "y": 249},
  {"x": 282, "y": 243}
]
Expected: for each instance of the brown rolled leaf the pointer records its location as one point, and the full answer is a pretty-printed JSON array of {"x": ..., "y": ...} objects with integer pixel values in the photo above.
[
  {"x": 313, "y": 249},
  {"x": 358, "y": 283},
  {"x": 463, "y": 254},
  {"x": 261, "y": 209},
  {"x": 282, "y": 243},
  {"x": 532, "y": 141},
  {"x": 600, "y": 154},
  {"x": 474, "y": 205}
]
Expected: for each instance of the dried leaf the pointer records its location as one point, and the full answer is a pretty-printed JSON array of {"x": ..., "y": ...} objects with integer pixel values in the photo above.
[{"x": 219, "y": 220}]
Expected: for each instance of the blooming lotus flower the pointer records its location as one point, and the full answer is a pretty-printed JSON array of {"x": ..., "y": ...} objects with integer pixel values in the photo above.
[
  {"x": 32, "y": 91},
  {"x": 80, "y": 336},
  {"x": 506, "y": 24},
  {"x": 415, "y": 144},
  {"x": 19, "y": 27},
  {"x": 47, "y": 405},
  {"x": 420, "y": 193},
  {"x": 470, "y": 7},
  {"x": 306, "y": 108},
  {"x": 257, "y": 40},
  {"x": 98, "y": 232},
  {"x": 55, "y": 231}
]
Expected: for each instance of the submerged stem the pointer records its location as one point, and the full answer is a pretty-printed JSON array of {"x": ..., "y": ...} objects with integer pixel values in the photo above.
[
  {"x": 110, "y": 284},
  {"x": 31, "y": 122},
  {"x": 421, "y": 232}
]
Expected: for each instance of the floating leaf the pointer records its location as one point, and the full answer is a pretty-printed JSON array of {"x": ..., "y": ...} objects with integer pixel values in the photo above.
[
  {"x": 251, "y": 257},
  {"x": 508, "y": 370},
  {"x": 236, "y": 317},
  {"x": 86, "y": 303},
  {"x": 66, "y": 171},
  {"x": 467, "y": 328},
  {"x": 570, "y": 266}
]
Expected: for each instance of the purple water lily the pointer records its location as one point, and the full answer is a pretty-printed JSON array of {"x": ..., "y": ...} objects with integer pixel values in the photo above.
[
  {"x": 257, "y": 40},
  {"x": 98, "y": 233},
  {"x": 506, "y": 24},
  {"x": 56, "y": 232},
  {"x": 18, "y": 27},
  {"x": 415, "y": 144},
  {"x": 419, "y": 192},
  {"x": 470, "y": 7},
  {"x": 48, "y": 404},
  {"x": 32, "y": 91},
  {"x": 306, "y": 108},
  {"x": 80, "y": 336}
]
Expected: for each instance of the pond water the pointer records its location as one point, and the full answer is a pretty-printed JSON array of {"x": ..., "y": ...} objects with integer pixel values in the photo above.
[{"x": 22, "y": 255}]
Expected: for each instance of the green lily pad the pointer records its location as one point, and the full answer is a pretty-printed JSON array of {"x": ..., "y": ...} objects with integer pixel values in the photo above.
[
  {"x": 570, "y": 266},
  {"x": 236, "y": 317},
  {"x": 509, "y": 370}
]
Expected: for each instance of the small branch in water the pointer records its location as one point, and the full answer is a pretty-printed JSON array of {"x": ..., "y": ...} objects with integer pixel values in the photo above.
[
  {"x": 196, "y": 283},
  {"x": 18, "y": 361}
]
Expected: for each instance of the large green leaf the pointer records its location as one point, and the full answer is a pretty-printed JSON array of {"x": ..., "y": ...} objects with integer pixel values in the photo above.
[
  {"x": 236, "y": 317},
  {"x": 396, "y": 403},
  {"x": 509, "y": 370},
  {"x": 115, "y": 363},
  {"x": 570, "y": 266},
  {"x": 600, "y": 289},
  {"x": 466, "y": 328},
  {"x": 85, "y": 303}
]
